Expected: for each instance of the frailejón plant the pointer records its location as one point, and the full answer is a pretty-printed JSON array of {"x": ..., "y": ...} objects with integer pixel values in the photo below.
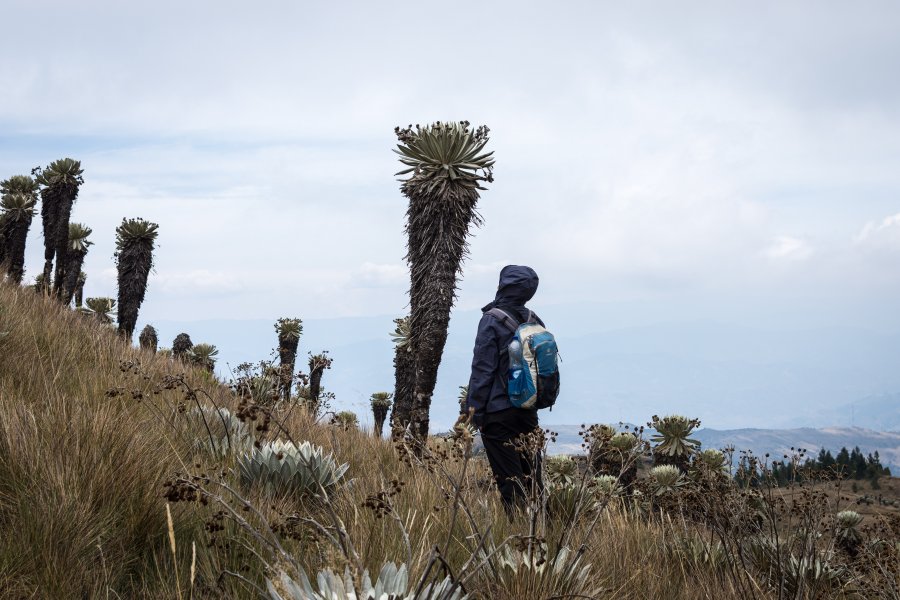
[
  {"x": 674, "y": 446},
  {"x": 666, "y": 479},
  {"x": 446, "y": 166},
  {"x": 392, "y": 584},
  {"x": 284, "y": 467}
]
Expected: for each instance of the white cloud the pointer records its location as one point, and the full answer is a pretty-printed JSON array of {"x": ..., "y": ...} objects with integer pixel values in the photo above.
[
  {"x": 384, "y": 275},
  {"x": 785, "y": 247},
  {"x": 196, "y": 282},
  {"x": 640, "y": 152},
  {"x": 883, "y": 232}
]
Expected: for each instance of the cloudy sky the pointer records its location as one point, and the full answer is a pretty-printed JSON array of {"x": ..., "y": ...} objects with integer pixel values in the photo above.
[{"x": 675, "y": 161}]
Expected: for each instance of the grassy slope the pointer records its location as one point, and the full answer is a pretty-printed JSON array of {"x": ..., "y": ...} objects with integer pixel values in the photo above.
[{"x": 81, "y": 474}]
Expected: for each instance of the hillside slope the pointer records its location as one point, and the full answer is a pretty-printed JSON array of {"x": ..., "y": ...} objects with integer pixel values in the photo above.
[
  {"x": 80, "y": 472},
  {"x": 92, "y": 431}
]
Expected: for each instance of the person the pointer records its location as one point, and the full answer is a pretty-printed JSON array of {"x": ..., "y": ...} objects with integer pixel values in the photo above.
[{"x": 488, "y": 404}]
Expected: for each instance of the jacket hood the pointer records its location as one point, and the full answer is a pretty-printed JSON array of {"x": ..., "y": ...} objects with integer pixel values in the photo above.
[{"x": 518, "y": 284}]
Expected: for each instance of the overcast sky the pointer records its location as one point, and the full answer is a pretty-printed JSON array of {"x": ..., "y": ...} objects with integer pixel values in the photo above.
[{"x": 691, "y": 159}]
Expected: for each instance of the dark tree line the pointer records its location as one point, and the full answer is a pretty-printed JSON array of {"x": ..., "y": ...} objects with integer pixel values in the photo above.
[
  {"x": 851, "y": 464},
  {"x": 848, "y": 465}
]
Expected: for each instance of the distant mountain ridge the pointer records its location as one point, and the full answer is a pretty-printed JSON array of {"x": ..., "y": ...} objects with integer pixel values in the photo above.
[{"x": 776, "y": 442}]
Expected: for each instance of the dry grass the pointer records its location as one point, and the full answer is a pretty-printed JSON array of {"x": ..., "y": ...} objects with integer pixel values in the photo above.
[
  {"x": 82, "y": 511},
  {"x": 80, "y": 473}
]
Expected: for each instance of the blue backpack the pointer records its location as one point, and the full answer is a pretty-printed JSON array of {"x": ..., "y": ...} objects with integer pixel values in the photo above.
[{"x": 533, "y": 377}]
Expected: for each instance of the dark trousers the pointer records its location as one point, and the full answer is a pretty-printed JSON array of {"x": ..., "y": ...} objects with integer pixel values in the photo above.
[{"x": 514, "y": 472}]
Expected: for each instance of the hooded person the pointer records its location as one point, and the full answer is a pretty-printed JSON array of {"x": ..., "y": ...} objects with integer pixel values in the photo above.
[{"x": 488, "y": 402}]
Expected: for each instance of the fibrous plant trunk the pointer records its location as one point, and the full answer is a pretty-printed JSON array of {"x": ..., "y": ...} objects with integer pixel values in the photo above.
[
  {"x": 76, "y": 249},
  {"x": 135, "y": 239},
  {"x": 18, "y": 196},
  {"x": 434, "y": 267},
  {"x": 73, "y": 274},
  {"x": 317, "y": 365},
  {"x": 181, "y": 346},
  {"x": 148, "y": 338},
  {"x": 14, "y": 233},
  {"x": 63, "y": 216},
  {"x": 444, "y": 160},
  {"x": 404, "y": 376},
  {"x": 287, "y": 350},
  {"x": 404, "y": 388},
  {"x": 289, "y": 331},
  {"x": 437, "y": 229},
  {"x": 381, "y": 403},
  {"x": 380, "y": 414},
  {"x": 50, "y": 198},
  {"x": 60, "y": 181}
]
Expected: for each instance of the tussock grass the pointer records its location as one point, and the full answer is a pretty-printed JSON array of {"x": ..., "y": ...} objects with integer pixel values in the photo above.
[{"x": 80, "y": 473}]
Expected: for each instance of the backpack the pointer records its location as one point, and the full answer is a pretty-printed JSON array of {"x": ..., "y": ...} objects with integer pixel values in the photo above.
[{"x": 533, "y": 378}]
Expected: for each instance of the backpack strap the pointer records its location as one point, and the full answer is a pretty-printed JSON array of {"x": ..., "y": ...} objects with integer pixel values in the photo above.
[
  {"x": 511, "y": 323},
  {"x": 506, "y": 318}
]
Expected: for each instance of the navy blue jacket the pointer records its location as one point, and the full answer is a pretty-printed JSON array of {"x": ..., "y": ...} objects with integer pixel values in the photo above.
[{"x": 487, "y": 384}]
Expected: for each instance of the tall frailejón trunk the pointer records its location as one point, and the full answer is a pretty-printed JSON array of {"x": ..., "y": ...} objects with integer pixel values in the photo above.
[
  {"x": 379, "y": 413},
  {"x": 317, "y": 365},
  {"x": 73, "y": 274},
  {"x": 287, "y": 354},
  {"x": 404, "y": 387},
  {"x": 63, "y": 216},
  {"x": 434, "y": 267},
  {"x": 14, "y": 231},
  {"x": 76, "y": 250},
  {"x": 18, "y": 196},
  {"x": 60, "y": 182},
  {"x": 49, "y": 201},
  {"x": 289, "y": 331},
  {"x": 148, "y": 338},
  {"x": 446, "y": 168},
  {"x": 404, "y": 376},
  {"x": 381, "y": 403},
  {"x": 181, "y": 346},
  {"x": 135, "y": 240}
]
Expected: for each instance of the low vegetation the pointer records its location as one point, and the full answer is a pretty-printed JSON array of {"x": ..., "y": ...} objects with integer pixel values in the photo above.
[{"x": 129, "y": 473}]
